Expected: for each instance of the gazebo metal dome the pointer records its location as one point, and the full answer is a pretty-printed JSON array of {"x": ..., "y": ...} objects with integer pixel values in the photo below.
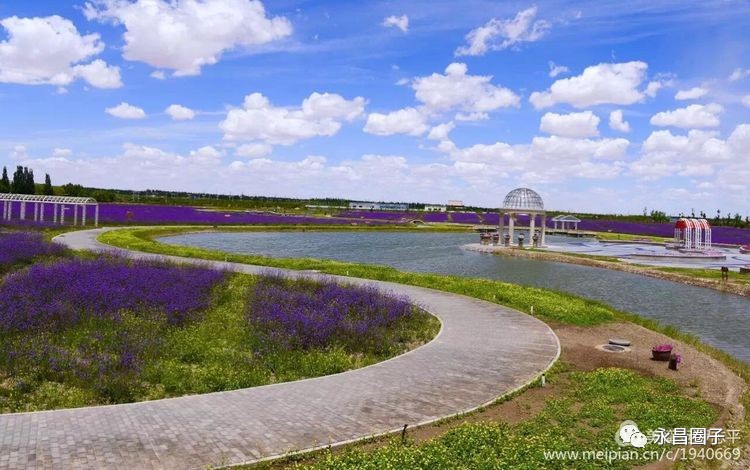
[{"x": 523, "y": 199}]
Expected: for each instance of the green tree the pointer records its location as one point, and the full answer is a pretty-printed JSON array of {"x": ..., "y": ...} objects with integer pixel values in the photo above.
[
  {"x": 48, "y": 191},
  {"x": 29, "y": 184},
  {"x": 102, "y": 195},
  {"x": 74, "y": 190},
  {"x": 5, "y": 182},
  {"x": 17, "y": 186}
]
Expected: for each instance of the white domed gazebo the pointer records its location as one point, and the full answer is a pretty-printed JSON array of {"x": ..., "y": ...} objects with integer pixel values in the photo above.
[{"x": 522, "y": 201}]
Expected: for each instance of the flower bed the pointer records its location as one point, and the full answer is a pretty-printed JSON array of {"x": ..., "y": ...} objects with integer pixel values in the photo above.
[
  {"x": 305, "y": 314},
  {"x": 23, "y": 247},
  {"x": 157, "y": 214},
  {"x": 65, "y": 293},
  {"x": 80, "y": 332}
]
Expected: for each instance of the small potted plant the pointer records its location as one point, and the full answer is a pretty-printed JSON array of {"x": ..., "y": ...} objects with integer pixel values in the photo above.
[
  {"x": 661, "y": 352},
  {"x": 674, "y": 361}
]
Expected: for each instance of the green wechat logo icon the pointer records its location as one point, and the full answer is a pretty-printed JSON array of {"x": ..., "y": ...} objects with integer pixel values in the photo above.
[{"x": 629, "y": 435}]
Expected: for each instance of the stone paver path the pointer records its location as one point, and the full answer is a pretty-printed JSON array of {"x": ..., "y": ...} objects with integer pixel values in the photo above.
[{"x": 483, "y": 351}]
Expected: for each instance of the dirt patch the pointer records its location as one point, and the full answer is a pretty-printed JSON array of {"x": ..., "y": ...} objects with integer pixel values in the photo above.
[{"x": 699, "y": 374}]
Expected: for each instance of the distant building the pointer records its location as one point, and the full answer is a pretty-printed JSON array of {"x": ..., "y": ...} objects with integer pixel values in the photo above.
[
  {"x": 368, "y": 206},
  {"x": 378, "y": 206},
  {"x": 434, "y": 208},
  {"x": 455, "y": 204},
  {"x": 387, "y": 206}
]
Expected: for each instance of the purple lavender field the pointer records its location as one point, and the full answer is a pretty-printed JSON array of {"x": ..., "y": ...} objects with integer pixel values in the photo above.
[
  {"x": 62, "y": 294},
  {"x": 156, "y": 214},
  {"x": 726, "y": 235},
  {"x": 723, "y": 235},
  {"x": 17, "y": 248},
  {"x": 306, "y": 314},
  {"x": 82, "y": 331}
]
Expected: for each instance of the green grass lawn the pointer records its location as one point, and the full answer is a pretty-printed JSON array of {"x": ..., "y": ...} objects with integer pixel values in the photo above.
[
  {"x": 714, "y": 274},
  {"x": 585, "y": 417}
]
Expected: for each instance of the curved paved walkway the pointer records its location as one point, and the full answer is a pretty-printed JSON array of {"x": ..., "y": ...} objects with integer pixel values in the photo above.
[{"x": 483, "y": 351}]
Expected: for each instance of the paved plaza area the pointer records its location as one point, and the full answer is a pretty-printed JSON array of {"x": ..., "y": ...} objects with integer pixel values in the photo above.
[
  {"x": 734, "y": 259},
  {"x": 483, "y": 351}
]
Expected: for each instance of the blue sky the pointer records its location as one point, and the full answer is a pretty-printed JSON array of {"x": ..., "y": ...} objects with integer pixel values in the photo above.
[{"x": 600, "y": 106}]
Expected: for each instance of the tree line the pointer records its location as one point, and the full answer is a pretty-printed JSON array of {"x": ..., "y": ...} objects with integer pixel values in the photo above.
[{"x": 23, "y": 182}]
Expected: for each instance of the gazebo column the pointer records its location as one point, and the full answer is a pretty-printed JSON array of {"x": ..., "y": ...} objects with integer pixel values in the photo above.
[
  {"x": 544, "y": 228},
  {"x": 532, "y": 228},
  {"x": 511, "y": 222},
  {"x": 23, "y": 211},
  {"x": 41, "y": 212},
  {"x": 96, "y": 215},
  {"x": 83, "y": 219},
  {"x": 501, "y": 229},
  {"x": 54, "y": 212},
  {"x": 62, "y": 214},
  {"x": 75, "y": 215}
]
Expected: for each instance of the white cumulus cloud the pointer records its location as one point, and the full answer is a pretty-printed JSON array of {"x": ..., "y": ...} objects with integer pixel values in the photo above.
[
  {"x": 598, "y": 84},
  {"x": 458, "y": 91},
  {"x": 699, "y": 153},
  {"x": 185, "y": 35},
  {"x": 253, "y": 150},
  {"x": 691, "y": 117},
  {"x": 746, "y": 101},
  {"x": 441, "y": 131},
  {"x": 62, "y": 153},
  {"x": 691, "y": 94},
  {"x": 126, "y": 111},
  {"x": 739, "y": 74},
  {"x": 500, "y": 34},
  {"x": 583, "y": 124},
  {"x": 400, "y": 22},
  {"x": 179, "y": 113},
  {"x": 50, "y": 51},
  {"x": 320, "y": 114},
  {"x": 404, "y": 121},
  {"x": 617, "y": 122},
  {"x": 557, "y": 69}
]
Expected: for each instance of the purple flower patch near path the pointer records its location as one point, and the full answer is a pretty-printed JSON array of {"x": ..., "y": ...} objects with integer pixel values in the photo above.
[
  {"x": 64, "y": 293},
  {"x": 310, "y": 314},
  {"x": 22, "y": 247}
]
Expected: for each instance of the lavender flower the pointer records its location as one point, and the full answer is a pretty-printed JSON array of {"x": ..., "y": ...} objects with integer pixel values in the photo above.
[
  {"x": 309, "y": 314},
  {"x": 66, "y": 292}
]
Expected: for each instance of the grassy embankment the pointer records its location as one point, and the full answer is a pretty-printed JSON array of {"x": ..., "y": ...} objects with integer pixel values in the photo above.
[
  {"x": 599, "y": 398},
  {"x": 711, "y": 278}
]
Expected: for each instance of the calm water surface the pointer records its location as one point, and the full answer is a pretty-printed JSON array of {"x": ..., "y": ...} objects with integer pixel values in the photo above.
[{"x": 722, "y": 320}]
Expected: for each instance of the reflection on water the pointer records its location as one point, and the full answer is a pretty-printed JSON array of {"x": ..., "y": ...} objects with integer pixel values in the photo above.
[{"x": 722, "y": 320}]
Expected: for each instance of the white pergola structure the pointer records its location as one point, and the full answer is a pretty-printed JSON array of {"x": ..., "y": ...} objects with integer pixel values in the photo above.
[
  {"x": 692, "y": 234},
  {"x": 523, "y": 201},
  {"x": 566, "y": 222},
  {"x": 38, "y": 205}
]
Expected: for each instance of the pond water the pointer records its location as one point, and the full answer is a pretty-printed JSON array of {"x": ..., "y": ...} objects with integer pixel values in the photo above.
[{"x": 722, "y": 320}]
